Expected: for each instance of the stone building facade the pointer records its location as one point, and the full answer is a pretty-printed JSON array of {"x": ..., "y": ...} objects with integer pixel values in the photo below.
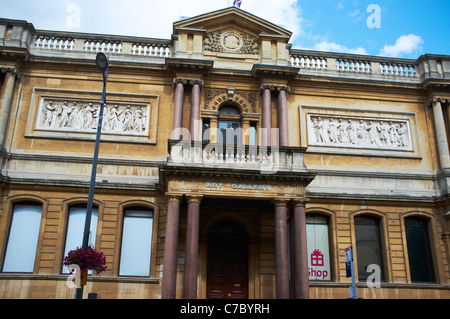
[{"x": 231, "y": 165}]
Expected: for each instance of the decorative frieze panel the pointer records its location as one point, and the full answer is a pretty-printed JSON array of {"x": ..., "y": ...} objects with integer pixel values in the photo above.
[
  {"x": 82, "y": 116},
  {"x": 74, "y": 114},
  {"x": 363, "y": 131},
  {"x": 359, "y": 132}
]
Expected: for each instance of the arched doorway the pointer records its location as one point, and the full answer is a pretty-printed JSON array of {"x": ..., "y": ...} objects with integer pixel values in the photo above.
[{"x": 227, "y": 273}]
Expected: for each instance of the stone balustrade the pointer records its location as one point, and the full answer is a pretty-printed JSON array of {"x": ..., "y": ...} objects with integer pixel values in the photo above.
[
  {"x": 244, "y": 157},
  {"x": 119, "y": 46},
  {"x": 355, "y": 66}
]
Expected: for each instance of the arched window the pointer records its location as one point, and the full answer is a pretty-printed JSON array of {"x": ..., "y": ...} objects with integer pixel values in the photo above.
[
  {"x": 75, "y": 228},
  {"x": 318, "y": 246},
  {"x": 229, "y": 125},
  {"x": 368, "y": 245},
  {"x": 136, "y": 247},
  {"x": 419, "y": 249},
  {"x": 23, "y": 237}
]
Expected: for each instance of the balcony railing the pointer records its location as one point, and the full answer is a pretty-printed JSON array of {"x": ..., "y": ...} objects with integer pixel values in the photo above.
[
  {"x": 242, "y": 157},
  {"x": 78, "y": 43},
  {"x": 354, "y": 66}
]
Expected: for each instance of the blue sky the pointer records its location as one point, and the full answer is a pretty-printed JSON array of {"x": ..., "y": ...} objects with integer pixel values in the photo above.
[{"x": 407, "y": 28}]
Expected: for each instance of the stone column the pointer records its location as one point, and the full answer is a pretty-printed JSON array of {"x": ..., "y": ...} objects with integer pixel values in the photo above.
[
  {"x": 6, "y": 100},
  {"x": 192, "y": 248},
  {"x": 281, "y": 250},
  {"x": 266, "y": 117},
  {"x": 283, "y": 117},
  {"x": 195, "y": 112},
  {"x": 169, "y": 280},
  {"x": 300, "y": 252},
  {"x": 441, "y": 134},
  {"x": 178, "y": 109}
]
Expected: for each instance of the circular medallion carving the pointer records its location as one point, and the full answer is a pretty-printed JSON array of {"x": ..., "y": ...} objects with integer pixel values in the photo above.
[{"x": 231, "y": 41}]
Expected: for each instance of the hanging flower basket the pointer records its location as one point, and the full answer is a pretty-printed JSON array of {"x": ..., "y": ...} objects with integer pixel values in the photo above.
[{"x": 87, "y": 259}]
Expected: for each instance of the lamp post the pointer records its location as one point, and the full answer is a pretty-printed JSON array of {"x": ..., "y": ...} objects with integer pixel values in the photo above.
[{"x": 102, "y": 64}]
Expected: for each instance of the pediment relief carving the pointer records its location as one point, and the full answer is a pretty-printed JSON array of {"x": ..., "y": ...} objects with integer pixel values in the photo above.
[{"x": 231, "y": 42}]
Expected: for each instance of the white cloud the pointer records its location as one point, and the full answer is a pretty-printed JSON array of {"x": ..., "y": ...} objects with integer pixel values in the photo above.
[
  {"x": 147, "y": 18},
  {"x": 405, "y": 45},
  {"x": 335, "y": 47}
]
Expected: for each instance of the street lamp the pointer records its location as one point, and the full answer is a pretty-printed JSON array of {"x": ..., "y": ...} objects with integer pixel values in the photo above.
[{"x": 102, "y": 64}]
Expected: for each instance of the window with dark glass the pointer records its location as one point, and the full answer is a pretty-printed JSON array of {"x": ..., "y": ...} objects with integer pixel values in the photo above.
[
  {"x": 23, "y": 237},
  {"x": 419, "y": 250},
  {"x": 368, "y": 245},
  {"x": 205, "y": 131}
]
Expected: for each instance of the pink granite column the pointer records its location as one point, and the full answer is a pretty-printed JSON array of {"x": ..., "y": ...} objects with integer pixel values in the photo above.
[
  {"x": 266, "y": 117},
  {"x": 283, "y": 117},
  {"x": 301, "y": 279},
  {"x": 191, "y": 253},
  {"x": 195, "y": 112},
  {"x": 169, "y": 280},
  {"x": 178, "y": 110},
  {"x": 281, "y": 250}
]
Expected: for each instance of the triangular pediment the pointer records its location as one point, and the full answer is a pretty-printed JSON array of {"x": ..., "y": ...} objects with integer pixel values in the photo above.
[{"x": 232, "y": 16}]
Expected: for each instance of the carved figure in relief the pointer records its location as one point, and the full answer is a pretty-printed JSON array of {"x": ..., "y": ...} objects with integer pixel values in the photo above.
[
  {"x": 351, "y": 129},
  {"x": 128, "y": 119},
  {"x": 139, "y": 123},
  {"x": 64, "y": 115},
  {"x": 48, "y": 113},
  {"x": 319, "y": 130},
  {"x": 89, "y": 116},
  {"x": 392, "y": 134},
  {"x": 114, "y": 118},
  {"x": 362, "y": 130},
  {"x": 401, "y": 130},
  {"x": 342, "y": 133},
  {"x": 374, "y": 138},
  {"x": 332, "y": 131},
  {"x": 384, "y": 136}
]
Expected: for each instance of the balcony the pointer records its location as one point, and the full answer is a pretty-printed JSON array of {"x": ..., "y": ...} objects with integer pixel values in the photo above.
[{"x": 242, "y": 159}]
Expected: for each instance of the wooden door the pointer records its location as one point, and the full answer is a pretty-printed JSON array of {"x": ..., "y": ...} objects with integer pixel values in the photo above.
[{"x": 227, "y": 275}]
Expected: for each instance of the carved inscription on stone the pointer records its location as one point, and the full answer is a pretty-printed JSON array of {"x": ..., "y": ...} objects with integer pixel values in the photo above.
[
  {"x": 355, "y": 132},
  {"x": 82, "y": 116},
  {"x": 231, "y": 42}
]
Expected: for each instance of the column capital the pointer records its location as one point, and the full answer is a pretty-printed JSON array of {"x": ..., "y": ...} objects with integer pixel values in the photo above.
[
  {"x": 300, "y": 201},
  {"x": 437, "y": 99},
  {"x": 280, "y": 202},
  {"x": 187, "y": 81},
  {"x": 194, "y": 198},
  {"x": 174, "y": 197},
  {"x": 274, "y": 88},
  {"x": 13, "y": 71}
]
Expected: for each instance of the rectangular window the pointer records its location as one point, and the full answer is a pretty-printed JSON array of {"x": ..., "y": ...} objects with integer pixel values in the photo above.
[
  {"x": 23, "y": 238},
  {"x": 252, "y": 141},
  {"x": 136, "y": 242},
  {"x": 419, "y": 250},
  {"x": 318, "y": 247},
  {"x": 75, "y": 229},
  {"x": 368, "y": 245}
]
